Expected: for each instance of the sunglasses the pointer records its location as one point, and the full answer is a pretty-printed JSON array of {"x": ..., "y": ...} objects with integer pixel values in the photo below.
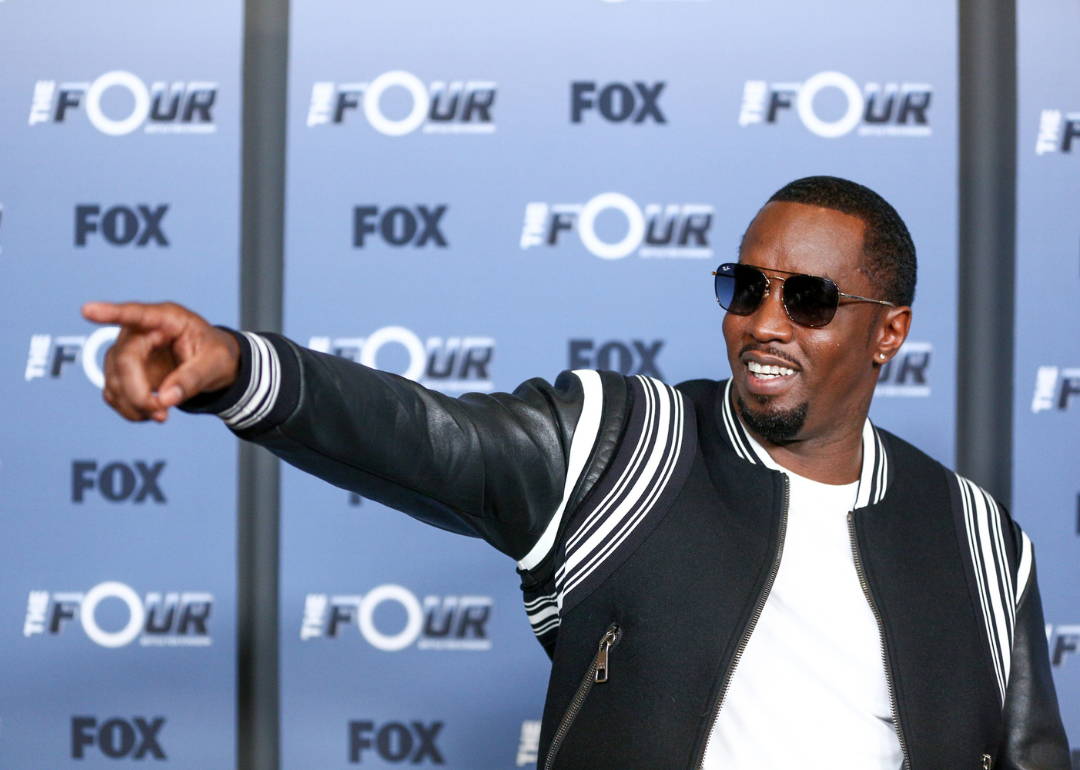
[{"x": 809, "y": 300}]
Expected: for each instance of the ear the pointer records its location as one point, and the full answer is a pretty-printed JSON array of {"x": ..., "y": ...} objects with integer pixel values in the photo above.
[{"x": 892, "y": 329}]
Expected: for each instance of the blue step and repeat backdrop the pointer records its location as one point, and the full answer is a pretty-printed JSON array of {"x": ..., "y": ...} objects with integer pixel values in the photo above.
[
  {"x": 119, "y": 179},
  {"x": 1046, "y": 401},
  {"x": 480, "y": 192}
]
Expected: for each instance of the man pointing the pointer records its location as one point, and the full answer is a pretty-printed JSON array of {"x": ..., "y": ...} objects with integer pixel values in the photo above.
[{"x": 738, "y": 574}]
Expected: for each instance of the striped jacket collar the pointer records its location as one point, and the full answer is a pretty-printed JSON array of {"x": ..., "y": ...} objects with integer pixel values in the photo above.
[{"x": 876, "y": 468}]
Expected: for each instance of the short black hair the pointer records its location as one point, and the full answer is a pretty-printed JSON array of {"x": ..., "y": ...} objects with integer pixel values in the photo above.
[{"x": 887, "y": 244}]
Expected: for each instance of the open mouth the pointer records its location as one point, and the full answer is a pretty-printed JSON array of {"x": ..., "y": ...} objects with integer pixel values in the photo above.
[{"x": 766, "y": 372}]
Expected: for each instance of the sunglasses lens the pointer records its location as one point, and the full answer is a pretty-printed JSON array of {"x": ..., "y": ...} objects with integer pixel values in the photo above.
[
  {"x": 810, "y": 300},
  {"x": 739, "y": 288}
]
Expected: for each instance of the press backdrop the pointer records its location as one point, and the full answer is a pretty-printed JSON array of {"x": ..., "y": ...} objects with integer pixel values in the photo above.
[
  {"x": 481, "y": 192},
  {"x": 119, "y": 179},
  {"x": 1046, "y": 473}
]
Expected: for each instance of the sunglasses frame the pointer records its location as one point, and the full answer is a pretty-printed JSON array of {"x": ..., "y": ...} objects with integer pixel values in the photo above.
[{"x": 768, "y": 287}]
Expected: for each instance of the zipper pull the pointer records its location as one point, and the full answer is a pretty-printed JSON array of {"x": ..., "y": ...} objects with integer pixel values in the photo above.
[
  {"x": 601, "y": 664},
  {"x": 602, "y": 654},
  {"x": 987, "y": 762}
]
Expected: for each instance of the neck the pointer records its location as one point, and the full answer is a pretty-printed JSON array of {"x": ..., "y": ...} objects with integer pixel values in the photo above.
[{"x": 834, "y": 458}]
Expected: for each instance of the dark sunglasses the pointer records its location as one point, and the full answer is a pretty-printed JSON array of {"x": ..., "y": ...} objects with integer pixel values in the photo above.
[{"x": 809, "y": 300}]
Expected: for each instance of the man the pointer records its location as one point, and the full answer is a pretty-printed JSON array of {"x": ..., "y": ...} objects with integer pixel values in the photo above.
[{"x": 744, "y": 574}]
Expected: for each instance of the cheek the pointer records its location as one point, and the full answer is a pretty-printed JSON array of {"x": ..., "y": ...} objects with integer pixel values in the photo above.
[
  {"x": 732, "y": 333},
  {"x": 835, "y": 359},
  {"x": 734, "y": 325}
]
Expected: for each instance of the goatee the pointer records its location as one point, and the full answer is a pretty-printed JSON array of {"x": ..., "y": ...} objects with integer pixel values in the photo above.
[{"x": 777, "y": 426}]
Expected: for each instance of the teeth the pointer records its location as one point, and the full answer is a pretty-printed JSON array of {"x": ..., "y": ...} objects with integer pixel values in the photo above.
[{"x": 768, "y": 372}]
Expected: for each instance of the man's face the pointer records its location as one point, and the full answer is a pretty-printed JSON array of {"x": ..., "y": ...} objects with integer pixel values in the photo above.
[{"x": 828, "y": 375}]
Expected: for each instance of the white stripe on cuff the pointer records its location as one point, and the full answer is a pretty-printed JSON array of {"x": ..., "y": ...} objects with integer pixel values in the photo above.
[{"x": 263, "y": 387}]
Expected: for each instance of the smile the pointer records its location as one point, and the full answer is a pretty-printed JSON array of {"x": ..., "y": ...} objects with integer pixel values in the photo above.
[{"x": 764, "y": 372}]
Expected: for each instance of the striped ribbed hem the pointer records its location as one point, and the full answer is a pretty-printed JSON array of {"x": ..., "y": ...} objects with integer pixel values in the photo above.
[{"x": 542, "y": 608}]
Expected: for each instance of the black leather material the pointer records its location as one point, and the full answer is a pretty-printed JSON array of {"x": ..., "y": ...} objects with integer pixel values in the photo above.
[
  {"x": 491, "y": 466},
  {"x": 1034, "y": 736}
]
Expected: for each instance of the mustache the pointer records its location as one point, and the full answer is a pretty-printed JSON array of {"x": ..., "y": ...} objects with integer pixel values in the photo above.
[{"x": 770, "y": 351}]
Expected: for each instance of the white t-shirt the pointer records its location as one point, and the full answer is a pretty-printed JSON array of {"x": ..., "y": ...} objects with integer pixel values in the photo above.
[{"x": 810, "y": 688}]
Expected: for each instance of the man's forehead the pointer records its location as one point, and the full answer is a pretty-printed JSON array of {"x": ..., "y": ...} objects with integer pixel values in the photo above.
[{"x": 801, "y": 238}]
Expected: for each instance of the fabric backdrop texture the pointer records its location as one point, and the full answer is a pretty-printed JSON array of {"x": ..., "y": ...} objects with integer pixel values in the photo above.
[{"x": 119, "y": 180}]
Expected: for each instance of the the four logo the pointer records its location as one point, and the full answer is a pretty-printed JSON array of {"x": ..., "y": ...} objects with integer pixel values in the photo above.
[
  {"x": 439, "y": 623},
  {"x": 660, "y": 230},
  {"x": 180, "y": 107},
  {"x": 172, "y": 619},
  {"x": 877, "y": 109},
  {"x": 441, "y": 107}
]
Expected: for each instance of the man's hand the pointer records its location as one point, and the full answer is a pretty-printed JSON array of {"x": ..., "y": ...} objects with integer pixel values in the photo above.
[{"x": 165, "y": 354}]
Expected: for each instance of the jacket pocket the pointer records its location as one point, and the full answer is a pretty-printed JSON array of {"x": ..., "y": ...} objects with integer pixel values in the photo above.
[{"x": 598, "y": 673}]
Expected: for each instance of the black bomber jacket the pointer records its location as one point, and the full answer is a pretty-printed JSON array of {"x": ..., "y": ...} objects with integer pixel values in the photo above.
[{"x": 647, "y": 535}]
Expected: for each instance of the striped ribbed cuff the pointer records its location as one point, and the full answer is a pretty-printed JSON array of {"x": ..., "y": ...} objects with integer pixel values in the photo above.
[{"x": 262, "y": 388}]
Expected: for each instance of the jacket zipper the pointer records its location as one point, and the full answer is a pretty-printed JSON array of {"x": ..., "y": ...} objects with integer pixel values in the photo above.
[
  {"x": 753, "y": 621},
  {"x": 597, "y": 674},
  {"x": 881, "y": 633}
]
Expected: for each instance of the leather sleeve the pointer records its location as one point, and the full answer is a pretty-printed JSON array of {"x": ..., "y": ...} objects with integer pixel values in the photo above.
[
  {"x": 1034, "y": 735},
  {"x": 487, "y": 465}
]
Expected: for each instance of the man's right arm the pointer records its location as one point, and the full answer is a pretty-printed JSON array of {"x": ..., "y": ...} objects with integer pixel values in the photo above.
[
  {"x": 493, "y": 466},
  {"x": 499, "y": 466}
]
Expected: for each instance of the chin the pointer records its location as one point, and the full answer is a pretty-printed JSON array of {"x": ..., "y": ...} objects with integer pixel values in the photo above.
[{"x": 773, "y": 421}]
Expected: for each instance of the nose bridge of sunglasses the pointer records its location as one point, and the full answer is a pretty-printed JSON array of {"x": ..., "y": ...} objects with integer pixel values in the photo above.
[{"x": 768, "y": 291}]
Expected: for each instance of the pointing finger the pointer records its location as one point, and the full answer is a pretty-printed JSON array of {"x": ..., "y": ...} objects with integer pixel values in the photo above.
[
  {"x": 101, "y": 312},
  {"x": 134, "y": 314},
  {"x": 127, "y": 314}
]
